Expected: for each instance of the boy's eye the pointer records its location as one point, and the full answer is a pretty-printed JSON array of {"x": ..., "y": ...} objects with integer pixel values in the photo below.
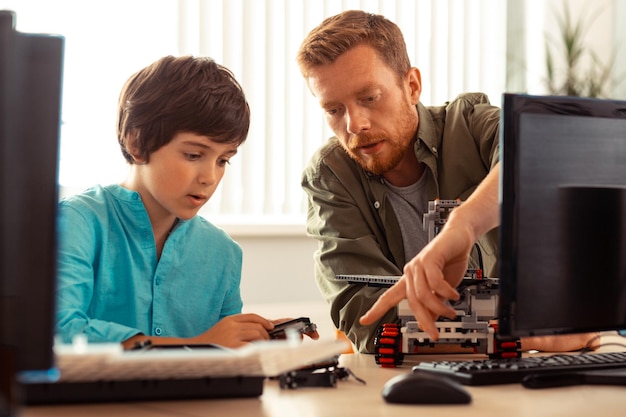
[
  {"x": 192, "y": 156},
  {"x": 223, "y": 161}
]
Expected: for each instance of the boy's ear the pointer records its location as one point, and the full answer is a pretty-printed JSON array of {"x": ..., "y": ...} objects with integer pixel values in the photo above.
[{"x": 132, "y": 148}]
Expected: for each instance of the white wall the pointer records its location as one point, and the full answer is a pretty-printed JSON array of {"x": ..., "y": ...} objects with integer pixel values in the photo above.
[
  {"x": 278, "y": 269},
  {"x": 277, "y": 278}
]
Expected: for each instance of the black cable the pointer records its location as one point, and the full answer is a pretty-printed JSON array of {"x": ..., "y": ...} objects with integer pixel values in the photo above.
[
  {"x": 589, "y": 345},
  {"x": 479, "y": 253},
  {"x": 588, "y": 349}
]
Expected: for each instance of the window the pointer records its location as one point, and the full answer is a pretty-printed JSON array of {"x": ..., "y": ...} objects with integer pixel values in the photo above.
[{"x": 459, "y": 45}]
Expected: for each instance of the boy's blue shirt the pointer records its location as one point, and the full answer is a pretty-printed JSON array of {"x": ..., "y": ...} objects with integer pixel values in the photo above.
[{"x": 111, "y": 284}]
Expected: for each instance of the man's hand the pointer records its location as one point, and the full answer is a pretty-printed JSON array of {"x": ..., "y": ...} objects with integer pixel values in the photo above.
[{"x": 429, "y": 280}]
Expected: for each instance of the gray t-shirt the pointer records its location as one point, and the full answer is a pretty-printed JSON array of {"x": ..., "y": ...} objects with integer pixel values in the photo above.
[{"x": 410, "y": 203}]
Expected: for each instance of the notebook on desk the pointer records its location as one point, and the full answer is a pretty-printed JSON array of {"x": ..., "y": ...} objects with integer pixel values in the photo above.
[{"x": 100, "y": 373}]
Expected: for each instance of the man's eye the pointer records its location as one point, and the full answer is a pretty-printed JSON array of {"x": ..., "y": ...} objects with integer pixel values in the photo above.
[{"x": 334, "y": 111}]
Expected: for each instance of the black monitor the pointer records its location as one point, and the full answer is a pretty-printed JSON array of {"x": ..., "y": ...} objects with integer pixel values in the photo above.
[
  {"x": 563, "y": 215},
  {"x": 30, "y": 90}
]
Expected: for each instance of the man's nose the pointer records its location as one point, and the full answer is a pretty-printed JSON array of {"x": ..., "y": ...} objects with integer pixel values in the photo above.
[{"x": 357, "y": 121}]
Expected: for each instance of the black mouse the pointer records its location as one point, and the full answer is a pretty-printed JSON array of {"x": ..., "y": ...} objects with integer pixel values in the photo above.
[{"x": 424, "y": 388}]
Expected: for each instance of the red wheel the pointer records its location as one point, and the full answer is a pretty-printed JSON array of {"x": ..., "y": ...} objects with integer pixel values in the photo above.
[
  {"x": 388, "y": 346},
  {"x": 505, "y": 347}
]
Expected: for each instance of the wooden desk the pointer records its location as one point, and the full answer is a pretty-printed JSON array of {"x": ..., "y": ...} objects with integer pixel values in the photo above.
[{"x": 352, "y": 399}]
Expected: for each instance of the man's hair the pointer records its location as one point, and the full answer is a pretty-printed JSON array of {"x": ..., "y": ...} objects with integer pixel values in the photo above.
[
  {"x": 342, "y": 32},
  {"x": 180, "y": 94}
]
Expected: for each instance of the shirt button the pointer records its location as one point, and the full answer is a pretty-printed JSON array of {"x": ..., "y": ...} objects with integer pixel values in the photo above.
[
  {"x": 434, "y": 149},
  {"x": 158, "y": 331},
  {"x": 376, "y": 204}
]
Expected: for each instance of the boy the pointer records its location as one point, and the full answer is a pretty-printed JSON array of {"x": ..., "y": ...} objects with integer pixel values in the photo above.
[{"x": 136, "y": 263}]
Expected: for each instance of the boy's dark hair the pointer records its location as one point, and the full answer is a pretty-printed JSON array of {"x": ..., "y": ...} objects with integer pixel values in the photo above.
[
  {"x": 340, "y": 33},
  {"x": 180, "y": 94}
]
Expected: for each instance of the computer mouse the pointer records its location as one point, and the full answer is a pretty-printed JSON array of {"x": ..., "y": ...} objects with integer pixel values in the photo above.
[{"x": 424, "y": 388}]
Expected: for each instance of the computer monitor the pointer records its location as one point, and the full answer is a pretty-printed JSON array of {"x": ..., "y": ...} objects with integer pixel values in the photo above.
[
  {"x": 563, "y": 215},
  {"x": 30, "y": 90}
]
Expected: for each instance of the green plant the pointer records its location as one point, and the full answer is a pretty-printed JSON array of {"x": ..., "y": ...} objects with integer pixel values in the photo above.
[{"x": 591, "y": 81}]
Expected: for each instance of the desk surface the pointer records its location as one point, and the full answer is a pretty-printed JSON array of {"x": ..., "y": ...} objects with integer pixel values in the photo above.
[{"x": 351, "y": 398}]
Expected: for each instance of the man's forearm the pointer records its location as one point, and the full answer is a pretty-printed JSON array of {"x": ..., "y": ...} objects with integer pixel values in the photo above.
[{"x": 481, "y": 210}]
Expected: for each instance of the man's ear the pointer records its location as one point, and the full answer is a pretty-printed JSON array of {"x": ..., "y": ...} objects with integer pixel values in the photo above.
[{"x": 414, "y": 83}]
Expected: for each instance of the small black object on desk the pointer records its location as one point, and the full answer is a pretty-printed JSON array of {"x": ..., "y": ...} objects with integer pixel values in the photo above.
[
  {"x": 302, "y": 324},
  {"x": 424, "y": 388}
]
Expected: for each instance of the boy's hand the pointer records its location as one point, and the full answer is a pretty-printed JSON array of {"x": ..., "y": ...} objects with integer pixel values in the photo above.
[{"x": 237, "y": 330}]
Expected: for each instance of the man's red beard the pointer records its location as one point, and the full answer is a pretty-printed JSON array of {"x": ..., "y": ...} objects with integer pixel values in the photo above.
[{"x": 377, "y": 165}]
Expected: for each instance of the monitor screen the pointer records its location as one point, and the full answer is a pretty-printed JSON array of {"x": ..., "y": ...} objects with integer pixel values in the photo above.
[
  {"x": 30, "y": 90},
  {"x": 563, "y": 215}
]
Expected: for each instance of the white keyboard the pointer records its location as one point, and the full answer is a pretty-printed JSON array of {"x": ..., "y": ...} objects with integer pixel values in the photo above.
[{"x": 109, "y": 362}]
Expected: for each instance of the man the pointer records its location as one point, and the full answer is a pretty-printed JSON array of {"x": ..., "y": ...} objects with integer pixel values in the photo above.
[{"x": 369, "y": 186}]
